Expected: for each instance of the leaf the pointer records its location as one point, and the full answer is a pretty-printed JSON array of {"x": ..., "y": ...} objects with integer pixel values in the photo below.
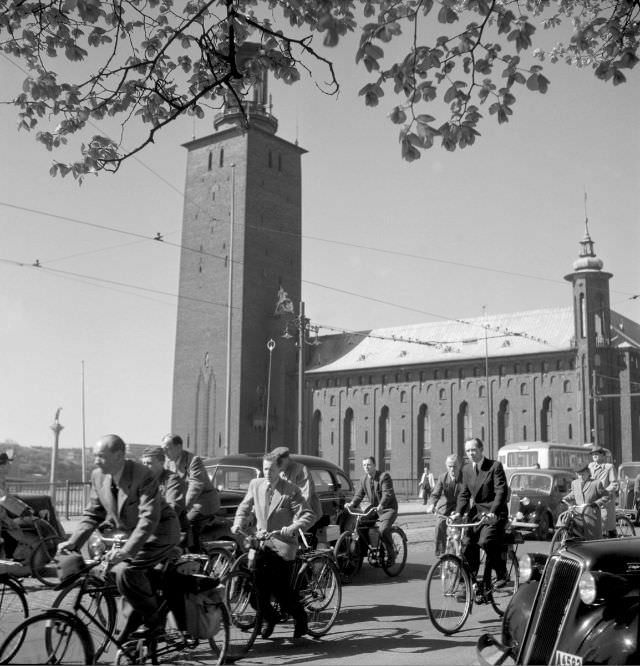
[
  {"x": 409, "y": 152},
  {"x": 398, "y": 116}
]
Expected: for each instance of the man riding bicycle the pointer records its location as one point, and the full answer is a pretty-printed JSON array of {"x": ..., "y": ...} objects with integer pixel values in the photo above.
[
  {"x": 378, "y": 488},
  {"x": 590, "y": 495},
  {"x": 484, "y": 493}
]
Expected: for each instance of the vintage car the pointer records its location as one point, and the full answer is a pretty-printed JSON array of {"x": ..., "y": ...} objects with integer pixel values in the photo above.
[
  {"x": 578, "y": 606},
  {"x": 536, "y": 498},
  {"x": 231, "y": 476}
]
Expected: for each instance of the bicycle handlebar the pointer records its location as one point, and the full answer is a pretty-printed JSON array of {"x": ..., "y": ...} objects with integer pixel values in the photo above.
[
  {"x": 371, "y": 509},
  {"x": 451, "y": 522}
]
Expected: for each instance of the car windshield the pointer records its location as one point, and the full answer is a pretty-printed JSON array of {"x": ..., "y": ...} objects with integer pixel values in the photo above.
[
  {"x": 538, "y": 482},
  {"x": 232, "y": 478},
  {"x": 629, "y": 471}
]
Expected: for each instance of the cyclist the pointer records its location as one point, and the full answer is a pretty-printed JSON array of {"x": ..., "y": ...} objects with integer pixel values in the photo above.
[
  {"x": 278, "y": 506},
  {"x": 202, "y": 501},
  {"x": 606, "y": 473},
  {"x": 590, "y": 495},
  {"x": 444, "y": 498},
  {"x": 377, "y": 486},
  {"x": 484, "y": 492},
  {"x": 125, "y": 494}
]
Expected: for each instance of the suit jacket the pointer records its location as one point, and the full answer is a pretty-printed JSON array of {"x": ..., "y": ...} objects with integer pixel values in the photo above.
[
  {"x": 378, "y": 491},
  {"x": 590, "y": 492},
  {"x": 445, "y": 493},
  {"x": 172, "y": 489},
  {"x": 299, "y": 475},
  {"x": 139, "y": 510},
  {"x": 201, "y": 498},
  {"x": 486, "y": 492},
  {"x": 287, "y": 507}
]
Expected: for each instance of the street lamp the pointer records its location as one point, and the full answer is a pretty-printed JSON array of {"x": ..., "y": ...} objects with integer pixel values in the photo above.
[
  {"x": 57, "y": 427},
  {"x": 270, "y": 346},
  {"x": 301, "y": 326}
]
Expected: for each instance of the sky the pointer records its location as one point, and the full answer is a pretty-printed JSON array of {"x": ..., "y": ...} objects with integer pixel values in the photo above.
[{"x": 385, "y": 242}]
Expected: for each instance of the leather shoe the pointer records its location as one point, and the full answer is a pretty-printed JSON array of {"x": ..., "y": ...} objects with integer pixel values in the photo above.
[
  {"x": 267, "y": 629},
  {"x": 300, "y": 630}
]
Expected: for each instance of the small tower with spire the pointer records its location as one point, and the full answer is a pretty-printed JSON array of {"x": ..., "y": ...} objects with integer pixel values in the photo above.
[{"x": 592, "y": 326}]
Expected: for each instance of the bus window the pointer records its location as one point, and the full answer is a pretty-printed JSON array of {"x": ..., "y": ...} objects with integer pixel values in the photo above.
[{"x": 522, "y": 459}]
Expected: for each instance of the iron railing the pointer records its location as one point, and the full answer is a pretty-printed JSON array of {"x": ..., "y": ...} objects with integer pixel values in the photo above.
[{"x": 68, "y": 497}]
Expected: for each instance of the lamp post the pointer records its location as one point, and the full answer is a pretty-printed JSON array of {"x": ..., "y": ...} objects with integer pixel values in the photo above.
[
  {"x": 301, "y": 325},
  {"x": 270, "y": 346},
  {"x": 57, "y": 427}
]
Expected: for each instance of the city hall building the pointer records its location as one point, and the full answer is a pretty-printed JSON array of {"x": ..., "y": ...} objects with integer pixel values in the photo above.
[{"x": 406, "y": 395}]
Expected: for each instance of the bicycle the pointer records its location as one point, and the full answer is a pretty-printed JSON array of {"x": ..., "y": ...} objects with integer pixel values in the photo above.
[
  {"x": 315, "y": 577},
  {"x": 364, "y": 540},
  {"x": 83, "y": 630},
  {"x": 624, "y": 522},
  {"x": 13, "y": 604},
  {"x": 451, "y": 589}
]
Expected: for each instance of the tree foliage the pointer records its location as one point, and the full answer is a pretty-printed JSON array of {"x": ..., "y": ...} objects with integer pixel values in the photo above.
[{"x": 155, "y": 60}]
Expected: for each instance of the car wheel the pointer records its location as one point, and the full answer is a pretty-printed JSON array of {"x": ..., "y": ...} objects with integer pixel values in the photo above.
[{"x": 542, "y": 531}]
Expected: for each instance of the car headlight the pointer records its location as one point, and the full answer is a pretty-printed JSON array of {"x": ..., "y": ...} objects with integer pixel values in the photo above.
[
  {"x": 531, "y": 566},
  {"x": 588, "y": 588},
  {"x": 525, "y": 501}
]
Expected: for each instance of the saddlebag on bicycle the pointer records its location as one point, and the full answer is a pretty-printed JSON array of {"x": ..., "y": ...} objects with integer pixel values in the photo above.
[{"x": 195, "y": 601}]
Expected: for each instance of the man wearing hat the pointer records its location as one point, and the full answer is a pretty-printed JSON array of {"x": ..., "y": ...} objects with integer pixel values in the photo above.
[
  {"x": 170, "y": 485},
  {"x": 606, "y": 473},
  {"x": 590, "y": 495}
]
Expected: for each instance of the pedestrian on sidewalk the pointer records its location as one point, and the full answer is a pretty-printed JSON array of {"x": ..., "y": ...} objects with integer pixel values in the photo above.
[
  {"x": 426, "y": 484},
  {"x": 443, "y": 500}
]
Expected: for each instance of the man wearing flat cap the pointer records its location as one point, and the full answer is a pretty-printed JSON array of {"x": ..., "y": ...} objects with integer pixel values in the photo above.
[
  {"x": 590, "y": 495},
  {"x": 606, "y": 473}
]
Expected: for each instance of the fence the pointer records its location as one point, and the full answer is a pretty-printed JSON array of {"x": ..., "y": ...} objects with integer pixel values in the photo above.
[{"x": 68, "y": 497}]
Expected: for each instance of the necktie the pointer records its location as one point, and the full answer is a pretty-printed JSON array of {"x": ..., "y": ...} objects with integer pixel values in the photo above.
[
  {"x": 114, "y": 491},
  {"x": 269, "y": 496},
  {"x": 476, "y": 468}
]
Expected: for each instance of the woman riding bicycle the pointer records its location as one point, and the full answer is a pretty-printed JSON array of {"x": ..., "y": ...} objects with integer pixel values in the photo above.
[{"x": 589, "y": 495}]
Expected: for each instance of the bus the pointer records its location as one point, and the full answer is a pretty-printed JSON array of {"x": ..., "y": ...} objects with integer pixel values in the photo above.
[{"x": 544, "y": 455}]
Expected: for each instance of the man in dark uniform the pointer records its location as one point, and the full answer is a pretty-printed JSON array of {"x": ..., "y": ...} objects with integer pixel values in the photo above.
[{"x": 378, "y": 488}]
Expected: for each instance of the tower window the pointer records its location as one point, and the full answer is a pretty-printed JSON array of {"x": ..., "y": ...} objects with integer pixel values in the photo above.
[
  {"x": 221, "y": 160},
  {"x": 270, "y": 159},
  {"x": 210, "y": 161}
]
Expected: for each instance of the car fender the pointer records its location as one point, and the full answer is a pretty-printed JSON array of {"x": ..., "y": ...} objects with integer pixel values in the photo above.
[
  {"x": 608, "y": 634},
  {"x": 517, "y": 614}
]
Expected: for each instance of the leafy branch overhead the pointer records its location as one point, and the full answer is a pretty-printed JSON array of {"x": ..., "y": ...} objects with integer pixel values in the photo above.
[{"x": 440, "y": 61}]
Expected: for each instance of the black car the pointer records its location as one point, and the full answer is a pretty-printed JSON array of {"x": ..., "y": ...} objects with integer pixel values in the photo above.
[
  {"x": 231, "y": 476},
  {"x": 579, "y": 606},
  {"x": 536, "y": 498}
]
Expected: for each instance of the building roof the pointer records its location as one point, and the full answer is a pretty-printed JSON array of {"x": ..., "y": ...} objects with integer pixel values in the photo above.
[{"x": 519, "y": 333}]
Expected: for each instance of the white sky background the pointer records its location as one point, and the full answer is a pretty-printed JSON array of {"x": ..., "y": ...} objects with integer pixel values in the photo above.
[{"x": 514, "y": 202}]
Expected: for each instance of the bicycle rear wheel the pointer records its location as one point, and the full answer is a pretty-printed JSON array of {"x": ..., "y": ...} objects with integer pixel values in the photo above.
[
  {"x": 244, "y": 615},
  {"x": 52, "y": 637},
  {"x": 502, "y": 591},
  {"x": 97, "y": 601},
  {"x": 349, "y": 555},
  {"x": 560, "y": 537},
  {"x": 321, "y": 593},
  {"x": 13, "y": 606},
  {"x": 393, "y": 563},
  {"x": 41, "y": 561},
  {"x": 448, "y": 594},
  {"x": 624, "y": 527}
]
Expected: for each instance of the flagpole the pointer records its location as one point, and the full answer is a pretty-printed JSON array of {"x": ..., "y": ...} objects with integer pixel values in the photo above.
[{"x": 227, "y": 415}]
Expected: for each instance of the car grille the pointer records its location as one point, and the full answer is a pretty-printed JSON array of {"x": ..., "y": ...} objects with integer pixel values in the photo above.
[{"x": 557, "y": 588}]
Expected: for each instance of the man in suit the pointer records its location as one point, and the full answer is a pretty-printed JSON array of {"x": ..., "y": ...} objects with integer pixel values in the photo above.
[
  {"x": 378, "y": 488},
  {"x": 202, "y": 501},
  {"x": 125, "y": 494},
  {"x": 606, "y": 473},
  {"x": 444, "y": 498},
  {"x": 170, "y": 485},
  {"x": 484, "y": 492},
  {"x": 591, "y": 495},
  {"x": 278, "y": 506}
]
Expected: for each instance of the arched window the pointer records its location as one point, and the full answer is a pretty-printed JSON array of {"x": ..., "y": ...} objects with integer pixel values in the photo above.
[
  {"x": 424, "y": 433},
  {"x": 481, "y": 391},
  {"x": 403, "y": 396},
  {"x": 349, "y": 434},
  {"x": 365, "y": 398},
  {"x": 384, "y": 429},
  {"x": 210, "y": 162},
  {"x": 524, "y": 390},
  {"x": 465, "y": 430},
  {"x": 221, "y": 160},
  {"x": 332, "y": 400},
  {"x": 566, "y": 386},
  {"x": 570, "y": 432},
  {"x": 442, "y": 394},
  {"x": 316, "y": 433},
  {"x": 505, "y": 435},
  {"x": 546, "y": 420}
]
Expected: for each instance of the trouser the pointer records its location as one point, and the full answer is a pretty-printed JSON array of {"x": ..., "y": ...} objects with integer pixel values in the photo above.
[
  {"x": 440, "y": 535},
  {"x": 273, "y": 578},
  {"x": 385, "y": 520},
  {"x": 491, "y": 539}
]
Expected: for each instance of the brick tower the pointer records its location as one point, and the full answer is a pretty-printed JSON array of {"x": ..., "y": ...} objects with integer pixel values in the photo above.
[{"x": 246, "y": 181}]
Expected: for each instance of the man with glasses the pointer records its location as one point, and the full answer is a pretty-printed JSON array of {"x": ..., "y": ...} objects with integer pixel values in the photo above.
[{"x": 484, "y": 492}]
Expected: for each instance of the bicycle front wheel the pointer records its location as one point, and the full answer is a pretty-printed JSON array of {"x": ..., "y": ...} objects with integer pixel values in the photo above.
[
  {"x": 560, "y": 537},
  {"x": 41, "y": 561},
  {"x": 321, "y": 593},
  {"x": 52, "y": 637},
  {"x": 502, "y": 590},
  {"x": 96, "y": 600},
  {"x": 349, "y": 555},
  {"x": 448, "y": 594},
  {"x": 393, "y": 562},
  {"x": 245, "y": 618},
  {"x": 624, "y": 527},
  {"x": 13, "y": 607}
]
